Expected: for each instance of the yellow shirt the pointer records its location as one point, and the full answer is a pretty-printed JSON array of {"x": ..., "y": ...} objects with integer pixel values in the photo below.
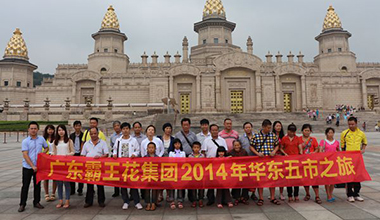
[
  {"x": 87, "y": 137},
  {"x": 354, "y": 140}
]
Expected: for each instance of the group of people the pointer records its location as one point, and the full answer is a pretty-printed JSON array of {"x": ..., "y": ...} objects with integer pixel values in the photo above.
[{"x": 129, "y": 141}]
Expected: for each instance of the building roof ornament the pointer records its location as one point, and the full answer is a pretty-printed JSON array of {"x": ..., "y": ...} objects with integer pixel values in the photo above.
[
  {"x": 331, "y": 20},
  {"x": 16, "y": 47},
  {"x": 110, "y": 20},
  {"x": 214, "y": 8}
]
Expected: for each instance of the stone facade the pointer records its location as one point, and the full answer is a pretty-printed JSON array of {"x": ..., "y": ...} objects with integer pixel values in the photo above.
[{"x": 214, "y": 76}]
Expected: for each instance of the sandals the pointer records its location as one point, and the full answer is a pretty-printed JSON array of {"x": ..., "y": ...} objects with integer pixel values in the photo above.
[
  {"x": 153, "y": 207},
  {"x": 318, "y": 200},
  {"x": 236, "y": 202},
  {"x": 230, "y": 205},
  {"x": 59, "y": 205},
  {"x": 282, "y": 197},
  {"x": 244, "y": 201},
  {"x": 194, "y": 205},
  {"x": 201, "y": 204},
  {"x": 172, "y": 205},
  {"x": 275, "y": 201},
  {"x": 180, "y": 205},
  {"x": 67, "y": 205},
  {"x": 260, "y": 202},
  {"x": 296, "y": 199},
  {"x": 47, "y": 197},
  {"x": 220, "y": 206},
  {"x": 52, "y": 197},
  {"x": 290, "y": 199},
  {"x": 148, "y": 207},
  {"x": 307, "y": 198}
]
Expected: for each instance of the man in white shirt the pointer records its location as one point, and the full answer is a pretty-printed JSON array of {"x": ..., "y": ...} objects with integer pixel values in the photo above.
[
  {"x": 95, "y": 148},
  {"x": 211, "y": 144},
  {"x": 127, "y": 146},
  {"x": 209, "y": 148},
  {"x": 201, "y": 136}
]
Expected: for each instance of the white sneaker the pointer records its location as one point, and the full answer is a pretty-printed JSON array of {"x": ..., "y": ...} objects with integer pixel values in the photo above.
[
  {"x": 359, "y": 199},
  {"x": 138, "y": 206},
  {"x": 125, "y": 206},
  {"x": 351, "y": 199}
]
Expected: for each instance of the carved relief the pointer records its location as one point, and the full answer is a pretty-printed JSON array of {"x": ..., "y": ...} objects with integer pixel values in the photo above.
[
  {"x": 237, "y": 59},
  {"x": 313, "y": 93},
  {"x": 290, "y": 68}
]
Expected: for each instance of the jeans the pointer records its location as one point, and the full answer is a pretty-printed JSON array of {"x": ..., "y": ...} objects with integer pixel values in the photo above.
[
  {"x": 60, "y": 190},
  {"x": 27, "y": 175},
  {"x": 353, "y": 189},
  {"x": 90, "y": 194},
  {"x": 290, "y": 191},
  {"x": 134, "y": 195},
  {"x": 72, "y": 184}
]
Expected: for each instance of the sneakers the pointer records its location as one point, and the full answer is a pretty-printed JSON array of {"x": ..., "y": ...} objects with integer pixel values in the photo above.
[
  {"x": 138, "y": 206},
  {"x": 125, "y": 206},
  {"x": 351, "y": 199},
  {"x": 359, "y": 199}
]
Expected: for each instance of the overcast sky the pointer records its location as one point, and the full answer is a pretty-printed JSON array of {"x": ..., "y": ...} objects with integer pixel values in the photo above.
[{"x": 58, "y": 32}]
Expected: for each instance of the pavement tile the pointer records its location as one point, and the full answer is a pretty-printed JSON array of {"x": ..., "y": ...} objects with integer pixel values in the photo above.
[
  {"x": 353, "y": 214},
  {"x": 319, "y": 215}
]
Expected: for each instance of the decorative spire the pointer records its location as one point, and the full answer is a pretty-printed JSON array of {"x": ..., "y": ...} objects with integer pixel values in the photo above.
[
  {"x": 331, "y": 20},
  {"x": 214, "y": 7},
  {"x": 16, "y": 48},
  {"x": 110, "y": 20}
]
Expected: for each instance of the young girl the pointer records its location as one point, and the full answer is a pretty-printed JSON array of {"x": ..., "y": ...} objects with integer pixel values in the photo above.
[
  {"x": 329, "y": 145},
  {"x": 310, "y": 146},
  {"x": 63, "y": 146},
  {"x": 151, "y": 194},
  {"x": 278, "y": 130},
  {"x": 223, "y": 195},
  {"x": 150, "y": 137},
  {"x": 291, "y": 146},
  {"x": 197, "y": 196},
  {"x": 177, "y": 152},
  {"x": 49, "y": 135},
  {"x": 240, "y": 195}
]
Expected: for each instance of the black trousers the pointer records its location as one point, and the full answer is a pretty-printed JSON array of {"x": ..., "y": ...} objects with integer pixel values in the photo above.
[
  {"x": 353, "y": 189},
  {"x": 196, "y": 195},
  {"x": 223, "y": 196},
  {"x": 290, "y": 191},
  {"x": 239, "y": 193},
  {"x": 134, "y": 195},
  {"x": 27, "y": 175},
  {"x": 72, "y": 184},
  {"x": 90, "y": 194},
  {"x": 211, "y": 195}
]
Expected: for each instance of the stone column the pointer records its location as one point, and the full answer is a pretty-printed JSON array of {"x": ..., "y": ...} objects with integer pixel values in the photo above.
[
  {"x": 74, "y": 92},
  {"x": 278, "y": 93},
  {"x": 364, "y": 93},
  {"x": 185, "y": 50},
  {"x": 97, "y": 93},
  {"x": 217, "y": 91},
  {"x": 303, "y": 87},
  {"x": 171, "y": 87},
  {"x": 259, "y": 104},
  {"x": 198, "y": 84}
]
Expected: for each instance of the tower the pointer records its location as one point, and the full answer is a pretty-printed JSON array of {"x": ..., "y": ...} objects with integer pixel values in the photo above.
[
  {"x": 334, "y": 51},
  {"x": 214, "y": 31},
  {"x": 16, "y": 72},
  {"x": 109, "y": 56}
]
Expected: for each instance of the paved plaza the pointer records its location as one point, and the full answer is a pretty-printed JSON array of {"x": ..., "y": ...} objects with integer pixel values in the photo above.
[{"x": 10, "y": 185}]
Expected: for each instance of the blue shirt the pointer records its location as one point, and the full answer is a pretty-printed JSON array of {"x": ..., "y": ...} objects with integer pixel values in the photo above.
[{"x": 34, "y": 147}]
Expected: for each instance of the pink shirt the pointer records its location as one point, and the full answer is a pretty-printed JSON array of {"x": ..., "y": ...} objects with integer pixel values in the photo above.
[
  {"x": 229, "y": 137},
  {"x": 329, "y": 147}
]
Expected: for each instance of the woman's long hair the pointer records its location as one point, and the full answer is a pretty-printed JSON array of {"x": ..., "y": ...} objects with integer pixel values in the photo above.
[
  {"x": 46, "y": 135},
  {"x": 282, "y": 129},
  {"x": 57, "y": 137}
]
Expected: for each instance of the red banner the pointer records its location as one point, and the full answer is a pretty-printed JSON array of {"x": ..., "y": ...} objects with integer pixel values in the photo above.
[{"x": 195, "y": 173}]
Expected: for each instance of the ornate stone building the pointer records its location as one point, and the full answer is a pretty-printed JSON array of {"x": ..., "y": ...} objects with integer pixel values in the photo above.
[{"x": 214, "y": 76}]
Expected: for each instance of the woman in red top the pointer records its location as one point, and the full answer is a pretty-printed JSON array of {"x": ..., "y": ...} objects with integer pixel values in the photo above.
[
  {"x": 291, "y": 146},
  {"x": 310, "y": 146},
  {"x": 278, "y": 130}
]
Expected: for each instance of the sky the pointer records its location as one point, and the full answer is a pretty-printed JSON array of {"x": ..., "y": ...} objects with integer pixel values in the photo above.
[{"x": 59, "y": 32}]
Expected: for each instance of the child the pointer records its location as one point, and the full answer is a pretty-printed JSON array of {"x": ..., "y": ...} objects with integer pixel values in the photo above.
[
  {"x": 223, "y": 194},
  {"x": 310, "y": 146},
  {"x": 329, "y": 145},
  {"x": 127, "y": 146},
  {"x": 177, "y": 152},
  {"x": 63, "y": 146},
  {"x": 49, "y": 135},
  {"x": 291, "y": 146},
  {"x": 151, "y": 194},
  {"x": 201, "y": 192},
  {"x": 240, "y": 195}
]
